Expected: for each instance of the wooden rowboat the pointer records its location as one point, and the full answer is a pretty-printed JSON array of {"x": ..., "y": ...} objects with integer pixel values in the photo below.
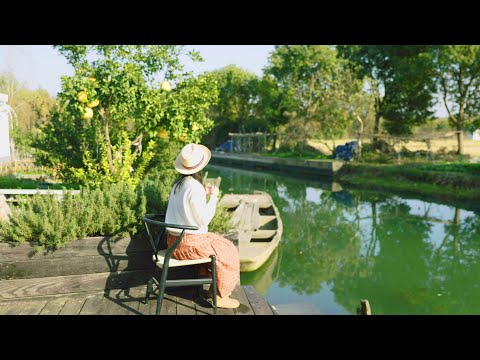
[{"x": 259, "y": 227}]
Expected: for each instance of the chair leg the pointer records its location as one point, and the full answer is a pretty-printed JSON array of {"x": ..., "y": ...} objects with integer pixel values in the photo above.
[
  {"x": 149, "y": 290},
  {"x": 161, "y": 290},
  {"x": 214, "y": 284}
]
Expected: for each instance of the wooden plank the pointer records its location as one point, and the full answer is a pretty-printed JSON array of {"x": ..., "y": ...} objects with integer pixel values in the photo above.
[
  {"x": 255, "y": 219},
  {"x": 365, "y": 307},
  {"x": 263, "y": 234},
  {"x": 93, "y": 305},
  {"x": 185, "y": 304},
  {"x": 259, "y": 304},
  {"x": 117, "y": 307},
  {"x": 245, "y": 308},
  {"x": 244, "y": 236},
  {"x": 73, "y": 306},
  {"x": 123, "y": 301},
  {"x": 221, "y": 311},
  {"x": 202, "y": 306},
  {"x": 10, "y": 289},
  {"x": 296, "y": 309},
  {"x": 12, "y": 308},
  {"x": 233, "y": 200},
  {"x": 33, "y": 307},
  {"x": 238, "y": 214},
  {"x": 147, "y": 309},
  {"x": 265, "y": 219},
  {"x": 81, "y": 247},
  {"x": 169, "y": 305},
  {"x": 54, "y": 306},
  {"x": 75, "y": 265}
]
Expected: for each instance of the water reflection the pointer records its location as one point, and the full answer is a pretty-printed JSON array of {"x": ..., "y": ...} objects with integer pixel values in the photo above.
[{"x": 406, "y": 256}]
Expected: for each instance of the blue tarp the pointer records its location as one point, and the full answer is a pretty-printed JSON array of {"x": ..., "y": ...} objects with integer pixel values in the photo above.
[
  {"x": 227, "y": 147},
  {"x": 346, "y": 152}
]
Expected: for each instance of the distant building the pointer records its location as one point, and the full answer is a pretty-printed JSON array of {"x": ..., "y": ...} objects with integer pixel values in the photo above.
[{"x": 5, "y": 147}]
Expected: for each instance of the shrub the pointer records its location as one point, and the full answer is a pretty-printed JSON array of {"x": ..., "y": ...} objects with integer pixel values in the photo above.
[
  {"x": 48, "y": 222},
  {"x": 220, "y": 223}
]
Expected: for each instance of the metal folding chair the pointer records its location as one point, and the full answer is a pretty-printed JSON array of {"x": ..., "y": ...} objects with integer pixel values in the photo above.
[{"x": 163, "y": 259}]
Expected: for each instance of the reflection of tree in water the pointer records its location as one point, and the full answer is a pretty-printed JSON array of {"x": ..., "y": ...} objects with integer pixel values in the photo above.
[
  {"x": 379, "y": 248},
  {"x": 456, "y": 267},
  {"x": 411, "y": 275},
  {"x": 395, "y": 280},
  {"x": 318, "y": 240}
]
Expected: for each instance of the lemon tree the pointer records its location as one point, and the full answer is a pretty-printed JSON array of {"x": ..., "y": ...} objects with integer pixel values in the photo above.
[{"x": 139, "y": 90}]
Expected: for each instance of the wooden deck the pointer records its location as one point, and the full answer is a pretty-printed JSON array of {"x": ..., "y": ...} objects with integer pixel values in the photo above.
[
  {"x": 99, "y": 275},
  {"x": 130, "y": 302}
]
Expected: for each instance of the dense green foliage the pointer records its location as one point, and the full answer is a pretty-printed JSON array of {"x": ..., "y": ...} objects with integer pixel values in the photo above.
[
  {"x": 247, "y": 103},
  {"x": 323, "y": 89},
  {"x": 114, "y": 103},
  {"x": 401, "y": 79}
]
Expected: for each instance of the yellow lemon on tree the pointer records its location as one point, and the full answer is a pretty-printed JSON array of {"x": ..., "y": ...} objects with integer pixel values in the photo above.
[
  {"x": 88, "y": 114},
  {"x": 82, "y": 96},
  {"x": 166, "y": 86},
  {"x": 195, "y": 127},
  {"x": 92, "y": 79},
  {"x": 182, "y": 137},
  {"x": 163, "y": 134},
  {"x": 93, "y": 103}
]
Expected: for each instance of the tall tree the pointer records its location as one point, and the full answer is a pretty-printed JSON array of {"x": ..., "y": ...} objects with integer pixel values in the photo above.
[
  {"x": 234, "y": 108},
  {"x": 321, "y": 84},
  {"x": 118, "y": 97},
  {"x": 401, "y": 79},
  {"x": 458, "y": 69}
]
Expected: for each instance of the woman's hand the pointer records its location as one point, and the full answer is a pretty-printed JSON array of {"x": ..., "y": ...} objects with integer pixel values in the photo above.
[{"x": 208, "y": 189}]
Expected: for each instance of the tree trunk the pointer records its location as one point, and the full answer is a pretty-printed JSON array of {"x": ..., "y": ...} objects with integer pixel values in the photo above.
[
  {"x": 376, "y": 127},
  {"x": 107, "y": 140},
  {"x": 274, "y": 146},
  {"x": 459, "y": 139}
]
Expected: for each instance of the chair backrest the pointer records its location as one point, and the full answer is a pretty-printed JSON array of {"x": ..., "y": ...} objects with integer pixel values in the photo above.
[{"x": 155, "y": 240}]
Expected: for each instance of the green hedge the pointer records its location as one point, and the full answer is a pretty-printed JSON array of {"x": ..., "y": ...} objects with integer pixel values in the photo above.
[{"x": 48, "y": 222}]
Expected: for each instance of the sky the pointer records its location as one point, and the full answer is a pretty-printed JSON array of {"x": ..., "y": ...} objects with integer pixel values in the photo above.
[{"x": 40, "y": 66}]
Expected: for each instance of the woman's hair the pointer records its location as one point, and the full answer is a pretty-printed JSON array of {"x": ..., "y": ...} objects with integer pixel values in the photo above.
[{"x": 197, "y": 176}]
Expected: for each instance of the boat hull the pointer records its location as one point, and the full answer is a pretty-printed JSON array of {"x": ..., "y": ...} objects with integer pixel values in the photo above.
[{"x": 253, "y": 254}]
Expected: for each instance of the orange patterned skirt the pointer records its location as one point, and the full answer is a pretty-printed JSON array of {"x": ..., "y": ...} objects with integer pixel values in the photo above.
[{"x": 197, "y": 246}]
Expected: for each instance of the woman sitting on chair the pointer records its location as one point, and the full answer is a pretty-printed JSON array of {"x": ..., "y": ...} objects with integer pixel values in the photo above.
[{"x": 188, "y": 205}]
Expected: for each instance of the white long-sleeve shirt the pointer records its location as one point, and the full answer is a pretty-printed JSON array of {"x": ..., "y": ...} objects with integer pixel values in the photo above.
[{"x": 188, "y": 206}]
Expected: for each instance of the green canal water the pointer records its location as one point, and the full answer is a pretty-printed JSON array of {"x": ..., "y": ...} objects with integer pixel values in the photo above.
[{"x": 405, "y": 255}]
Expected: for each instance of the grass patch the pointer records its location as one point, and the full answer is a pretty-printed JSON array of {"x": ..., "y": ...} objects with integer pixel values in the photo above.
[
  {"x": 11, "y": 182},
  {"x": 449, "y": 181},
  {"x": 305, "y": 155}
]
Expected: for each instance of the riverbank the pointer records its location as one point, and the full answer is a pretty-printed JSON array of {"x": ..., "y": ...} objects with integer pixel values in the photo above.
[
  {"x": 442, "y": 181},
  {"x": 447, "y": 181},
  {"x": 316, "y": 167}
]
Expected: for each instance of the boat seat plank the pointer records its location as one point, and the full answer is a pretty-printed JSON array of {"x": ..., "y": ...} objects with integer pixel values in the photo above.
[
  {"x": 263, "y": 234},
  {"x": 265, "y": 219},
  {"x": 233, "y": 200}
]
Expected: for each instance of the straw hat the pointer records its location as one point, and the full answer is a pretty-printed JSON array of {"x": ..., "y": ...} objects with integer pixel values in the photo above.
[{"x": 192, "y": 159}]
